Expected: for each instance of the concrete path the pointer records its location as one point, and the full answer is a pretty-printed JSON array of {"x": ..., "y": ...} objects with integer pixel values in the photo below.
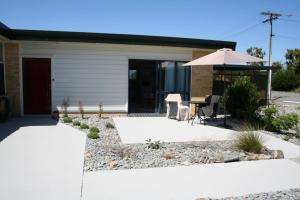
[
  {"x": 40, "y": 160},
  {"x": 191, "y": 182},
  {"x": 139, "y": 129},
  {"x": 289, "y": 149}
]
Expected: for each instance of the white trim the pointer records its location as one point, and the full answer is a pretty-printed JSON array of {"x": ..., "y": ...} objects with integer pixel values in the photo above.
[{"x": 21, "y": 78}]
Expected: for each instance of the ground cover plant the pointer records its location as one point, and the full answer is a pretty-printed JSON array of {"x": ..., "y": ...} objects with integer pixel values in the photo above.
[
  {"x": 76, "y": 123},
  {"x": 84, "y": 126},
  {"x": 67, "y": 120},
  {"x": 273, "y": 121}
]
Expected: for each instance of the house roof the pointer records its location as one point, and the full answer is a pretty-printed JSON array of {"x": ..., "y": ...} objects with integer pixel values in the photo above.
[{"x": 64, "y": 36}]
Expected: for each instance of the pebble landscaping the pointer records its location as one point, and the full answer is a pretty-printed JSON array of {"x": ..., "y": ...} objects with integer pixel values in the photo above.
[
  {"x": 292, "y": 194},
  {"x": 109, "y": 153}
]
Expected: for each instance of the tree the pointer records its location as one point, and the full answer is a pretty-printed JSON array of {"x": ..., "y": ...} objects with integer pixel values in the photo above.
[
  {"x": 277, "y": 66},
  {"x": 292, "y": 57},
  {"x": 256, "y": 52}
]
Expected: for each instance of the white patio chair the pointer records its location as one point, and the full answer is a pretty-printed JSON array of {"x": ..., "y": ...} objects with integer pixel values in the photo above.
[{"x": 176, "y": 108}]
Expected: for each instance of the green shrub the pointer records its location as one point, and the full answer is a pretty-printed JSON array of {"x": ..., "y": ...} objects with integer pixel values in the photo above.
[
  {"x": 285, "y": 122},
  {"x": 242, "y": 99},
  {"x": 154, "y": 144},
  {"x": 274, "y": 122},
  {"x": 68, "y": 120},
  {"x": 287, "y": 137},
  {"x": 249, "y": 141},
  {"x": 84, "y": 126},
  {"x": 285, "y": 80},
  {"x": 93, "y": 135},
  {"x": 109, "y": 125},
  {"x": 268, "y": 116},
  {"x": 94, "y": 129},
  {"x": 76, "y": 123}
]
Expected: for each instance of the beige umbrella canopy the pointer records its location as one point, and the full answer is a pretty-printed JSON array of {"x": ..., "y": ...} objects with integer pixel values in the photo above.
[{"x": 223, "y": 57}]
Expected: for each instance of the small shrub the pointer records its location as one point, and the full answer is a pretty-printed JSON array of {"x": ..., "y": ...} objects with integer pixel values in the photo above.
[
  {"x": 93, "y": 135},
  {"x": 109, "y": 125},
  {"x": 84, "y": 126},
  {"x": 94, "y": 129},
  {"x": 274, "y": 122},
  {"x": 68, "y": 120},
  {"x": 242, "y": 99},
  {"x": 285, "y": 122},
  {"x": 285, "y": 80},
  {"x": 154, "y": 144},
  {"x": 76, "y": 123},
  {"x": 268, "y": 116},
  {"x": 249, "y": 141},
  {"x": 65, "y": 104},
  {"x": 288, "y": 137}
]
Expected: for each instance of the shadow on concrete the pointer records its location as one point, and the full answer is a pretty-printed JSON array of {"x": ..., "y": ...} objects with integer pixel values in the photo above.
[{"x": 13, "y": 124}]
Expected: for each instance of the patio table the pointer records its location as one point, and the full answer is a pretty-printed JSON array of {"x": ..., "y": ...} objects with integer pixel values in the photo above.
[{"x": 197, "y": 104}]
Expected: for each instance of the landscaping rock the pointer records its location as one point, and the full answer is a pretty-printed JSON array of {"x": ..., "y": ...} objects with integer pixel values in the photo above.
[
  {"x": 277, "y": 154},
  {"x": 231, "y": 157}
]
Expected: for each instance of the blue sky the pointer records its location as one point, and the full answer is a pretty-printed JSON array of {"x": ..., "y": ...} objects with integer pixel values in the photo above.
[{"x": 232, "y": 20}]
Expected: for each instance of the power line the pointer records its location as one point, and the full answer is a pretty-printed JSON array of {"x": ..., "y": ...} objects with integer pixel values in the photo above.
[
  {"x": 288, "y": 37},
  {"x": 290, "y": 20},
  {"x": 243, "y": 30}
]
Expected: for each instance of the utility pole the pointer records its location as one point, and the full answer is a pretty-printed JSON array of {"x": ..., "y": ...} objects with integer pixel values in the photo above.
[{"x": 271, "y": 17}]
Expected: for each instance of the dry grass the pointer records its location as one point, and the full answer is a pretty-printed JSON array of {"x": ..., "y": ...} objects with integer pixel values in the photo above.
[{"x": 248, "y": 140}]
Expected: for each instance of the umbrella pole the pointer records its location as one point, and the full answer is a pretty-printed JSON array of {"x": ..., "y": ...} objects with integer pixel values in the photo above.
[{"x": 224, "y": 125}]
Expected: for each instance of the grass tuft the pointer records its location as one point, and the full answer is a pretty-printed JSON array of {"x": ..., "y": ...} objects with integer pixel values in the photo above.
[
  {"x": 249, "y": 141},
  {"x": 94, "y": 129},
  {"x": 67, "y": 120},
  {"x": 93, "y": 135},
  {"x": 84, "y": 126},
  {"x": 109, "y": 125},
  {"x": 76, "y": 123}
]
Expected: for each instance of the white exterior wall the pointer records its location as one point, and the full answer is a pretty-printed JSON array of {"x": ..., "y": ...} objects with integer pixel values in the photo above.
[{"x": 94, "y": 73}]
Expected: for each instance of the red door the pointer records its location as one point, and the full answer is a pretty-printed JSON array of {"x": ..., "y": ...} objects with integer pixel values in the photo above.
[{"x": 37, "y": 85}]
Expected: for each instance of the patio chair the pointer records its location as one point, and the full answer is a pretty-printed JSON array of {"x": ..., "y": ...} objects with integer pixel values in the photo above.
[
  {"x": 211, "y": 108},
  {"x": 176, "y": 108}
]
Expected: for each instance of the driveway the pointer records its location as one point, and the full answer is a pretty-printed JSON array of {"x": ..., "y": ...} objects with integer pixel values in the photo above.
[
  {"x": 286, "y": 97},
  {"x": 40, "y": 159}
]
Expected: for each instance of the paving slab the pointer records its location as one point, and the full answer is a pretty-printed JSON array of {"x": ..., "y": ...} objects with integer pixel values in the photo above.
[
  {"x": 40, "y": 159},
  {"x": 139, "y": 129},
  {"x": 192, "y": 182}
]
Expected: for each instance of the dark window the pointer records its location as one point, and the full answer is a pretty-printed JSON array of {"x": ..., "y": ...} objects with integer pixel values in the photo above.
[{"x": 2, "y": 87}]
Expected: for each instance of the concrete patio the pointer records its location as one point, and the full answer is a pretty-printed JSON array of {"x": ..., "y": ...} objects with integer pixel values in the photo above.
[
  {"x": 40, "y": 159},
  {"x": 139, "y": 129}
]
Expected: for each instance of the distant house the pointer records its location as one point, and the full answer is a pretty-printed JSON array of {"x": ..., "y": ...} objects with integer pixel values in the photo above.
[{"x": 126, "y": 73}]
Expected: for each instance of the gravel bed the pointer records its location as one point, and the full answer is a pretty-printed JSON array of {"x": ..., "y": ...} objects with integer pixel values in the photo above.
[
  {"x": 109, "y": 153},
  {"x": 292, "y": 194}
]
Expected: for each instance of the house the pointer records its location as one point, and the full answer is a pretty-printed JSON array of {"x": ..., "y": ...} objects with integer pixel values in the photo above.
[{"x": 125, "y": 73}]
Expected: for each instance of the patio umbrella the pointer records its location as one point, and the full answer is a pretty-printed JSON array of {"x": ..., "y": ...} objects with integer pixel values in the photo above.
[{"x": 223, "y": 57}]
